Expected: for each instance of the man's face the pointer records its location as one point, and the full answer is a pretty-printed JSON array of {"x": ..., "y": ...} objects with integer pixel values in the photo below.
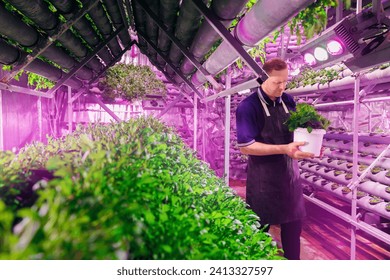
[{"x": 276, "y": 83}]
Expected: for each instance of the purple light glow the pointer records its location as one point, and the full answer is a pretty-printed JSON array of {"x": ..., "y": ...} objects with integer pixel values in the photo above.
[
  {"x": 309, "y": 59},
  {"x": 320, "y": 54},
  {"x": 334, "y": 47}
]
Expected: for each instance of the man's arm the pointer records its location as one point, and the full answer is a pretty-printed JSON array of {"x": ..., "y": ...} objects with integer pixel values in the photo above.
[{"x": 261, "y": 149}]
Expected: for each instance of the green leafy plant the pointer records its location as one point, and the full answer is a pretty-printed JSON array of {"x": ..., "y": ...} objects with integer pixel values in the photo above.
[
  {"x": 117, "y": 198},
  {"x": 346, "y": 190},
  {"x": 131, "y": 82},
  {"x": 306, "y": 116},
  {"x": 375, "y": 200},
  {"x": 35, "y": 80}
]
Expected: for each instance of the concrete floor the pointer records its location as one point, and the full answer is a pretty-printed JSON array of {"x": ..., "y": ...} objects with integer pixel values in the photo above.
[{"x": 326, "y": 237}]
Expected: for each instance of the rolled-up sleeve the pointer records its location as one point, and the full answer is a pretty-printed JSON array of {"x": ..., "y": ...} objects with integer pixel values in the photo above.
[{"x": 247, "y": 128}]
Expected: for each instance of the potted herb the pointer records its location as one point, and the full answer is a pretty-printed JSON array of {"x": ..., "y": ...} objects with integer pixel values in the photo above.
[
  {"x": 346, "y": 190},
  {"x": 308, "y": 126}
]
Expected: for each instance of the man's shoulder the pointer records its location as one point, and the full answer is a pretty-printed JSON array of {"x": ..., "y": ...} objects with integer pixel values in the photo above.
[
  {"x": 249, "y": 102},
  {"x": 288, "y": 98}
]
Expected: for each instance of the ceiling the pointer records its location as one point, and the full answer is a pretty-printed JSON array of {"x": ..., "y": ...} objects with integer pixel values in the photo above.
[{"x": 73, "y": 42}]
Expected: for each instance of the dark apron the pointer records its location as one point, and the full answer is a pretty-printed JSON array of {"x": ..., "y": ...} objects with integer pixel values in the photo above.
[{"x": 273, "y": 190}]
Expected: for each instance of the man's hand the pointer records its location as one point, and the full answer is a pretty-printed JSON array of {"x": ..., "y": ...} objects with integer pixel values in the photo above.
[{"x": 293, "y": 151}]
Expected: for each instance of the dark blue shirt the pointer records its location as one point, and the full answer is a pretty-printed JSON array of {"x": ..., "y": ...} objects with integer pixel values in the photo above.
[{"x": 250, "y": 116}]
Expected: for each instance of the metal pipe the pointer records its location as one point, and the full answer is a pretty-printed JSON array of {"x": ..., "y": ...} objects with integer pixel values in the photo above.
[
  {"x": 168, "y": 14},
  {"x": 179, "y": 45},
  {"x": 39, "y": 110},
  {"x": 111, "y": 113},
  {"x": 231, "y": 41},
  {"x": 206, "y": 37},
  {"x": 70, "y": 111},
  {"x": 187, "y": 24},
  {"x": 350, "y": 102},
  {"x": 1, "y": 121},
  {"x": 28, "y": 91},
  {"x": 170, "y": 105},
  {"x": 243, "y": 86},
  {"x": 264, "y": 17},
  {"x": 355, "y": 143},
  {"x": 380, "y": 235},
  {"x": 227, "y": 128},
  {"x": 378, "y": 76},
  {"x": 195, "y": 147}
]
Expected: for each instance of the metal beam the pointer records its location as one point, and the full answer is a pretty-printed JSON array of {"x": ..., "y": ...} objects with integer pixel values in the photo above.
[
  {"x": 245, "y": 85},
  {"x": 13, "y": 88},
  {"x": 227, "y": 128},
  {"x": 115, "y": 60},
  {"x": 70, "y": 111},
  {"x": 177, "y": 71},
  {"x": 74, "y": 98},
  {"x": 177, "y": 42},
  {"x": 108, "y": 110},
  {"x": 1, "y": 122},
  {"x": 231, "y": 40},
  {"x": 43, "y": 45},
  {"x": 170, "y": 105},
  {"x": 84, "y": 61},
  {"x": 195, "y": 145},
  {"x": 347, "y": 218},
  {"x": 123, "y": 14}
]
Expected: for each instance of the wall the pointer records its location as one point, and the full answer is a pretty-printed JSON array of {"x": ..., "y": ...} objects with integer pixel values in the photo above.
[{"x": 20, "y": 117}]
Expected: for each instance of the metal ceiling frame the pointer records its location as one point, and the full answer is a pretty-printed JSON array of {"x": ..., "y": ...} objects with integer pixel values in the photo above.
[
  {"x": 177, "y": 42},
  {"x": 177, "y": 71},
  {"x": 84, "y": 61},
  {"x": 42, "y": 46}
]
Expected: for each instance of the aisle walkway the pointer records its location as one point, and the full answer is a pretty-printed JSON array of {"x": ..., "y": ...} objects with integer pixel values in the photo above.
[{"x": 326, "y": 237}]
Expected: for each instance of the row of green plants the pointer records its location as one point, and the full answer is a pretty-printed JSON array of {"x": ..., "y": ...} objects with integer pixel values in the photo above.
[
  {"x": 129, "y": 190},
  {"x": 310, "y": 77}
]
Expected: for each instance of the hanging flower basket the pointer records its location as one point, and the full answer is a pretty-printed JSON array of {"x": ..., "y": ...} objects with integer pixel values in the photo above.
[{"x": 131, "y": 82}]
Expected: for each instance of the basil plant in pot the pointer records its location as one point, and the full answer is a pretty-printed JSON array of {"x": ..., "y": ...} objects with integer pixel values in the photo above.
[{"x": 308, "y": 126}]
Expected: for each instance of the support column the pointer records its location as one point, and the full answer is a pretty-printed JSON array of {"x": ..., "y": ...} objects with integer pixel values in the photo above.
[
  {"x": 39, "y": 109},
  {"x": 70, "y": 110},
  {"x": 355, "y": 129},
  {"x": 195, "y": 122},
  {"x": 1, "y": 122},
  {"x": 227, "y": 128}
]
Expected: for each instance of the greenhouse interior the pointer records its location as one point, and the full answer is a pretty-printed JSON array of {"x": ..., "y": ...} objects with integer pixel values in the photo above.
[{"x": 120, "y": 140}]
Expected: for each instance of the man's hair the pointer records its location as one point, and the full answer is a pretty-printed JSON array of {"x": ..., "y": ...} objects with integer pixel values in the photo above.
[{"x": 276, "y": 64}]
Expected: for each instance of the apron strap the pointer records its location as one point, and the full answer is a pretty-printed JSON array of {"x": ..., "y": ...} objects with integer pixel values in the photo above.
[
  {"x": 265, "y": 108},
  {"x": 285, "y": 107}
]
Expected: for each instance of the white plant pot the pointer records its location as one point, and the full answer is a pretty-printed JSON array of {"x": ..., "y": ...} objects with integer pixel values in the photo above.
[{"x": 313, "y": 140}]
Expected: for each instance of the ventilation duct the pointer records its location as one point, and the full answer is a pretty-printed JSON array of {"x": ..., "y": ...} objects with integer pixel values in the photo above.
[
  {"x": 68, "y": 9},
  {"x": 40, "y": 14},
  {"x": 116, "y": 18},
  {"x": 100, "y": 18},
  {"x": 168, "y": 15},
  {"x": 187, "y": 24},
  {"x": 139, "y": 19},
  {"x": 264, "y": 17},
  {"x": 17, "y": 30},
  {"x": 151, "y": 27},
  {"x": 10, "y": 55},
  {"x": 206, "y": 37}
]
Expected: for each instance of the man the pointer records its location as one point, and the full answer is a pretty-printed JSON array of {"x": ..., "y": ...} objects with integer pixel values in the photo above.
[{"x": 272, "y": 188}]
